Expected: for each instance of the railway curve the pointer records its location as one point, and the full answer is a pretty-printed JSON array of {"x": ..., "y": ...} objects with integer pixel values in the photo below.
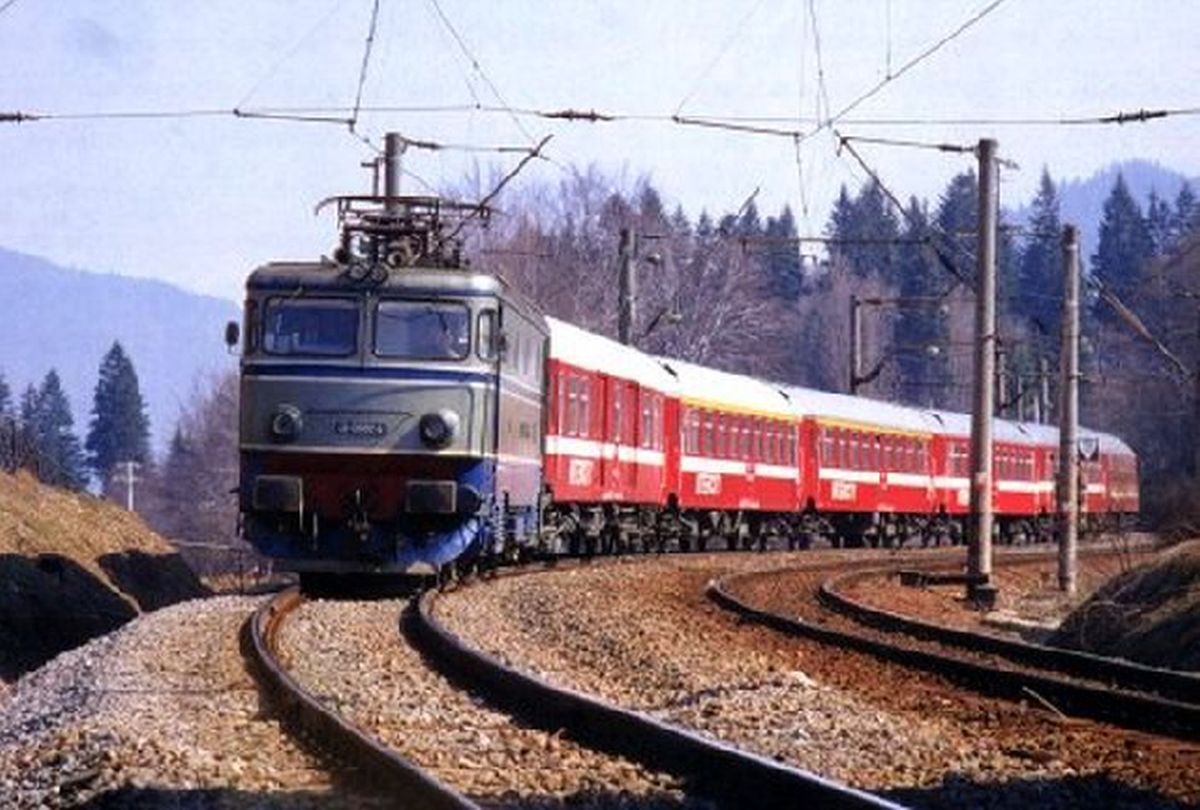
[
  {"x": 383, "y": 768},
  {"x": 1120, "y": 673},
  {"x": 731, "y": 775},
  {"x": 971, "y": 659}
]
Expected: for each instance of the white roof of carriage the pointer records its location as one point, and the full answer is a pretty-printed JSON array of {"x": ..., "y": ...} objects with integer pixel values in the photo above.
[
  {"x": 724, "y": 390},
  {"x": 953, "y": 423},
  {"x": 1109, "y": 444},
  {"x": 587, "y": 350},
  {"x": 860, "y": 410}
]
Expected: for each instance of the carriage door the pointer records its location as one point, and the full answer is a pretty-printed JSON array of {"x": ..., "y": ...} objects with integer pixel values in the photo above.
[{"x": 614, "y": 427}]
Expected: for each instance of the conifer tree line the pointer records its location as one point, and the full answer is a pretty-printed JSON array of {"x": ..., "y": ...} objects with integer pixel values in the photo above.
[{"x": 38, "y": 433}]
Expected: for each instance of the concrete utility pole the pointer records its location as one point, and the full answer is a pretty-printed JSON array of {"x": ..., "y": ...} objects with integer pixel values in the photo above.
[
  {"x": 1002, "y": 400},
  {"x": 1068, "y": 415},
  {"x": 126, "y": 474},
  {"x": 627, "y": 286},
  {"x": 1043, "y": 390},
  {"x": 855, "y": 344},
  {"x": 979, "y": 551}
]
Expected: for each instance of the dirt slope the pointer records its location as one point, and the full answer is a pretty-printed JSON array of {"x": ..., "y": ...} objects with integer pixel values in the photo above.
[
  {"x": 73, "y": 567},
  {"x": 1150, "y": 614}
]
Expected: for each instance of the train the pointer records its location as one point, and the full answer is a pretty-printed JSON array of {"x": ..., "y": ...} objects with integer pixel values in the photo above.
[{"x": 404, "y": 413}]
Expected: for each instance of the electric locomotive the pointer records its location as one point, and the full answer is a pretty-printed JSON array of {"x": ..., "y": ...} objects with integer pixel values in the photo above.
[{"x": 391, "y": 397}]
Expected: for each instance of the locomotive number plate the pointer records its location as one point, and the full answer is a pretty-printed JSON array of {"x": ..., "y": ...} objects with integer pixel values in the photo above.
[{"x": 349, "y": 427}]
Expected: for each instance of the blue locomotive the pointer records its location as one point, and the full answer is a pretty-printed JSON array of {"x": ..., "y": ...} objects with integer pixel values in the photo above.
[{"x": 391, "y": 398}]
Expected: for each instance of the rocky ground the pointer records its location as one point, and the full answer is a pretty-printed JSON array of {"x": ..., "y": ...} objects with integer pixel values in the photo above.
[
  {"x": 645, "y": 636},
  {"x": 163, "y": 712},
  {"x": 338, "y": 649},
  {"x": 1029, "y": 603}
]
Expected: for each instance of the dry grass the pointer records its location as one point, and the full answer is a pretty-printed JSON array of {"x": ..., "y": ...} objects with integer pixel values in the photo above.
[
  {"x": 1149, "y": 614},
  {"x": 37, "y": 519}
]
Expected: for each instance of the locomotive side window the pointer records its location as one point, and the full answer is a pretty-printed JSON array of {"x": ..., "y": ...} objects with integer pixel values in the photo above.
[
  {"x": 424, "y": 330},
  {"x": 485, "y": 335},
  {"x": 314, "y": 327}
]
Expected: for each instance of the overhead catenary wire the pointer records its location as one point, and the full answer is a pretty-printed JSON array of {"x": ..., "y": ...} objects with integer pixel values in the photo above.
[
  {"x": 475, "y": 64},
  {"x": 943, "y": 260},
  {"x": 318, "y": 25},
  {"x": 716, "y": 60},
  {"x": 756, "y": 125},
  {"x": 823, "y": 92},
  {"x": 366, "y": 62},
  {"x": 907, "y": 66}
]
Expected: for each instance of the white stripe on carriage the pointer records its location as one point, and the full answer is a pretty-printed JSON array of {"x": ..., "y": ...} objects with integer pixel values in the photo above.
[
  {"x": 857, "y": 476},
  {"x": 589, "y": 448},
  {"x": 721, "y": 466},
  {"x": 950, "y": 482},
  {"x": 1096, "y": 489},
  {"x": 900, "y": 479},
  {"x": 1020, "y": 487},
  {"x": 776, "y": 471}
]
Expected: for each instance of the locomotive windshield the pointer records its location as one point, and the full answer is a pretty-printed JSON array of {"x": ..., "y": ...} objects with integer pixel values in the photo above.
[
  {"x": 425, "y": 330},
  {"x": 320, "y": 327}
]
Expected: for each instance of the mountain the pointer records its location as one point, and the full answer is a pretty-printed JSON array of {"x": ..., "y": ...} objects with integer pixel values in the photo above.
[
  {"x": 1082, "y": 199},
  {"x": 51, "y": 316}
]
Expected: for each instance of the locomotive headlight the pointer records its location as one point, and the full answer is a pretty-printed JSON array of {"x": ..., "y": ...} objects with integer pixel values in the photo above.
[
  {"x": 286, "y": 423},
  {"x": 437, "y": 429}
]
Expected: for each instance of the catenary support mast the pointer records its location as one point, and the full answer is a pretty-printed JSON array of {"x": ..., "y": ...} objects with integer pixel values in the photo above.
[
  {"x": 1068, "y": 414},
  {"x": 979, "y": 552}
]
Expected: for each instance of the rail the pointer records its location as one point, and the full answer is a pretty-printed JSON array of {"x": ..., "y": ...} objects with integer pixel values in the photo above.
[
  {"x": 1167, "y": 683},
  {"x": 717, "y": 770},
  {"x": 379, "y": 767},
  {"x": 1129, "y": 709}
]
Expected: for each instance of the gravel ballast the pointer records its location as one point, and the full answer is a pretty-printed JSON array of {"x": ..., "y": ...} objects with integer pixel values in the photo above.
[
  {"x": 162, "y": 712},
  {"x": 352, "y": 656},
  {"x": 645, "y": 636}
]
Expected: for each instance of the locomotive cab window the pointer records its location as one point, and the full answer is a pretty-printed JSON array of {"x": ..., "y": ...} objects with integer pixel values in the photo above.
[
  {"x": 313, "y": 327},
  {"x": 422, "y": 330}
]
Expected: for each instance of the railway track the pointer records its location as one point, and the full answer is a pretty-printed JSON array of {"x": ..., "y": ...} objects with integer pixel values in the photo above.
[
  {"x": 1061, "y": 681},
  {"x": 733, "y": 777},
  {"x": 708, "y": 773},
  {"x": 379, "y": 766}
]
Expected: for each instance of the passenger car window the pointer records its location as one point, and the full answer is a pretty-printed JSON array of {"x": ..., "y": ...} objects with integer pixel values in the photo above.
[
  {"x": 312, "y": 327},
  {"x": 424, "y": 330}
]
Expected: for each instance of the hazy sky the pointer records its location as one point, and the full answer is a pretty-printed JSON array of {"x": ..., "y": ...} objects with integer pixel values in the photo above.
[{"x": 200, "y": 201}]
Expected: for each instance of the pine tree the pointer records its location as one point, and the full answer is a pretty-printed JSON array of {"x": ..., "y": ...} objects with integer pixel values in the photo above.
[
  {"x": 48, "y": 415},
  {"x": 119, "y": 429},
  {"x": 866, "y": 228},
  {"x": 1158, "y": 223},
  {"x": 782, "y": 259},
  {"x": 918, "y": 327},
  {"x": 1040, "y": 263},
  {"x": 6, "y": 405},
  {"x": 1125, "y": 243},
  {"x": 29, "y": 408},
  {"x": 1186, "y": 215}
]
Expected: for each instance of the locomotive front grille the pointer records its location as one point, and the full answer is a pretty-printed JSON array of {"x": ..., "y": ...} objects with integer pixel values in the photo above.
[{"x": 431, "y": 497}]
